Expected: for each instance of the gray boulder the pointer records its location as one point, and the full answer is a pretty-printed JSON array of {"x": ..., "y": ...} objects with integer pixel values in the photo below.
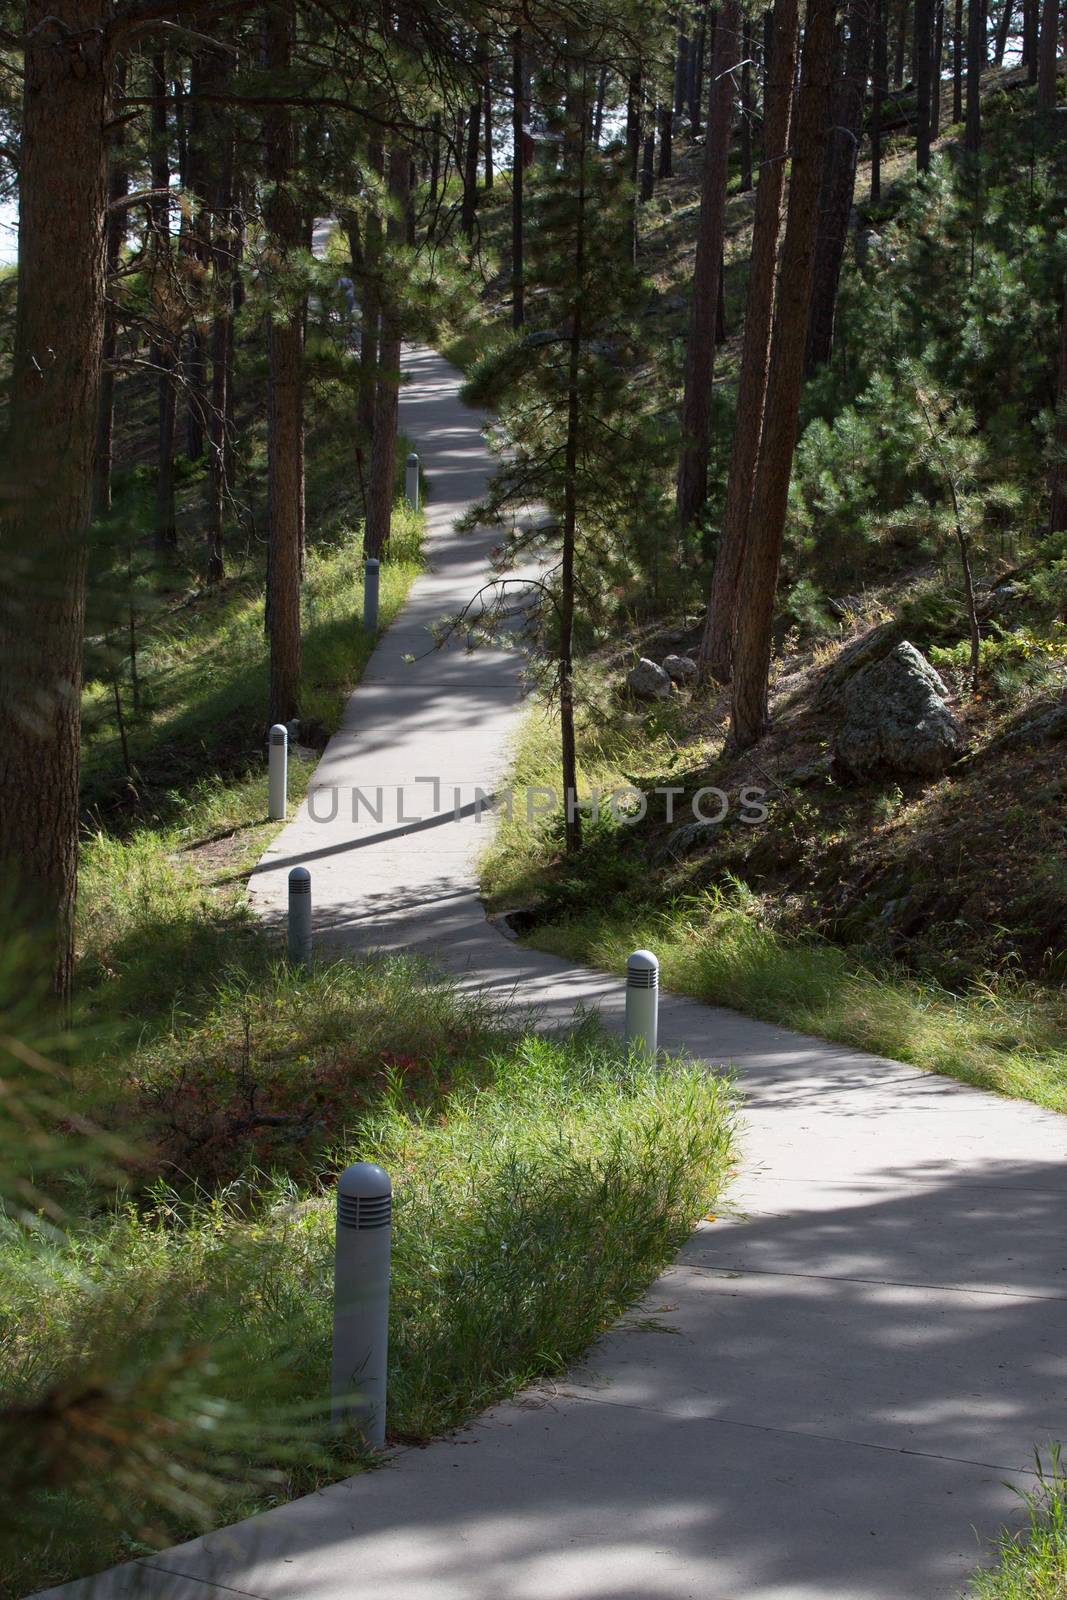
[
  {"x": 859, "y": 653},
  {"x": 896, "y": 719},
  {"x": 680, "y": 669},
  {"x": 687, "y": 837},
  {"x": 648, "y": 681}
]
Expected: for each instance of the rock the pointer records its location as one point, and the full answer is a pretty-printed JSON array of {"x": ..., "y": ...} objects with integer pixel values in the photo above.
[
  {"x": 689, "y": 836},
  {"x": 845, "y": 604},
  {"x": 1045, "y": 728},
  {"x": 870, "y": 646},
  {"x": 896, "y": 719},
  {"x": 648, "y": 681},
  {"x": 293, "y": 729},
  {"x": 680, "y": 669},
  {"x": 867, "y": 242}
]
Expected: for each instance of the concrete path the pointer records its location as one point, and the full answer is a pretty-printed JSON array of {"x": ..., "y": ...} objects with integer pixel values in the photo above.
[{"x": 839, "y": 1376}]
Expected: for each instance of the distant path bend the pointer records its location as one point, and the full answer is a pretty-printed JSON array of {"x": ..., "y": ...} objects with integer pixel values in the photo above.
[{"x": 859, "y": 1361}]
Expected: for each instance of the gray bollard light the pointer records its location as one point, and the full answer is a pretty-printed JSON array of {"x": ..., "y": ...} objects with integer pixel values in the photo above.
[
  {"x": 642, "y": 1000},
  {"x": 411, "y": 481},
  {"x": 361, "y": 1298},
  {"x": 278, "y": 773},
  {"x": 371, "y": 577},
  {"x": 300, "y": 915}
]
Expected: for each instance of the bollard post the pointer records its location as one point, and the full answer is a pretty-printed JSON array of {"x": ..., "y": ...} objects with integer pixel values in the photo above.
[
  {"x": 361, "y": 1298},
  {"x": 371, "y": 576},
  {"x": 642, "y": 1000},
  {"x": 278, "y": 772},
  {"x": 411, "y": 481},
  {"x": 300, "y": 915}
]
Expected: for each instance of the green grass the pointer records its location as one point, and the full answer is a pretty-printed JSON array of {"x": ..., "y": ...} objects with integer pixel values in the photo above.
[
  {"x": 539, "y": 1185},
  {"x": 166, "y": 1297},
  {"x": 1008, "y": 1036},
  {"x": 1032, "y": 1564},
  {"x": 203, "y": 671}
]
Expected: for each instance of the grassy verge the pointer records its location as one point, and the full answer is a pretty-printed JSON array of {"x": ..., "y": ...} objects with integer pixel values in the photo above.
[
  {"x": 165, "y": 1363},
  {"x": 1032, "y": 1565},
  {"x": 177, "y": 1340},
  {"x": 716, "y": 945}
]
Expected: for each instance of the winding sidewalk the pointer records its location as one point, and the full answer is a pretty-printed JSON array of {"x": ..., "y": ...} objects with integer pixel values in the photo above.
[{"x": 839, "y": 1377}]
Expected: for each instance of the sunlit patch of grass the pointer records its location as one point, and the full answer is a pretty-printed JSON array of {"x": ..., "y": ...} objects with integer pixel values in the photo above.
[{"x": 1031, "y": 1564}]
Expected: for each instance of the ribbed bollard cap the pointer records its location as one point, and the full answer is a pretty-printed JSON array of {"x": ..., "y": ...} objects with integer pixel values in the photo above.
[
  {"x": 279, "y": 734},
  {"x": 300, "y": 881},
  {"x": 413, "y": 460},
  {"x": 372, "y": 564},
  {"x": 364, "y": 1197},
  {"x": 642, "y": 970}
]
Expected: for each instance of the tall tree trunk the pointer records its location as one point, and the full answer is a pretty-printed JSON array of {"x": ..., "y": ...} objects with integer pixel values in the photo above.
[
  {"x": 195, "y": 237},
  {"x": 1031, "y": 14},
  {"x": 1004, "y": 21},
  {"x": 696, "y": 70},
  {"x": 598, "y": 108},
  {"x": 1047, "y": 53},
  {"x": 219, "y": 183},
  {"x": 903, "y": 16},
  {"x": 957, "y": 61},
  {"x": 518, "y": 230},
  {"x": 383, "y": 458},
  {"x": 469, "y": 206},
  {"x": 700, "y": 351},
  {"x": 976, "y": 59},
  {"x": 666, "y": 141},
  {"x": 115, "y": 237},
  {"x": 938, "y": 62},
  {"x": 370, "y": 306},
  {"x": 771, "y": 490},
  {"x": 922, "y": 55},
  {"x": 285, "y": 224},
  {"x": 163, "y": 353},
  {"x": 568, "y": 751},
  {"x": 470, "y": 161},
  {"x": 55, "y": 391},
  {"x": 879, "y": 86},
  {"x": 746, "y": 107},
  {"x": 716, "y": 649},
  {"x": 839, "y": 183},
  {"x": 681, "y": 73},
  {"x": 488, "y": 118},
  {"x": 1058, "y": 473},
  {"x": 648, "y": 154}
]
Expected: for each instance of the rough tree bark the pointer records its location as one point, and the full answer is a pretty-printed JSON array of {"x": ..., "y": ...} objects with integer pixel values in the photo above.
[
  {"x": 976, "y": 60},
  {"x": 957, "y": 61},
  {"x": 1058, "y": 472},
  {"x": 838, "y": 184},
  {"x": 115, "y": 237},
  {"x": 383, "y": 457},
  {"x": 285, "y": 452},
  {"x": 746, "y": 107},
  {"x": 755, "y": 616},
  {"x": 518, "y": 234},
  {"x": 880, "y": 67},
  {"x": 937, "y": 62},
  {"x": 1046, "y": 59},
  {"x": 1004, "y": 21},
  {"x": 55, "y": 390},
  {"x": 219, "y": 181},
  {"x": 469, "y": 206},
  {"x": 692, "y": 488},
  {"x": 163, "y": 350},
  {"x": 716, "y": 650},
  {"x": 922, "y": 53},
  {"x": 370, "y": 305},
  {"x": 1031, "y": 14}
]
